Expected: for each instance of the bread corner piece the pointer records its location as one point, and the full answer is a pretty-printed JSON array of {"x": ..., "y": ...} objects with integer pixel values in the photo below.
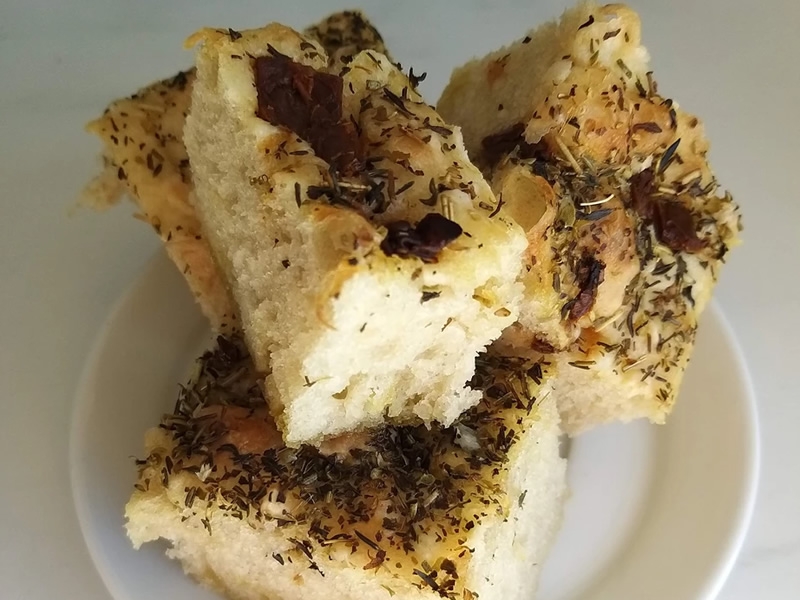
[
  {"x": 406, "y": 512},
  {"x": 626, "y": 224},
  {"x": 368, "y": 258}
]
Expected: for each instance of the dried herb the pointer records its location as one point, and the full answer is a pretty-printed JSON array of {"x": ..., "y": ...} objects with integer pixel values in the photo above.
[
  {"x": 415, "y": 79},
  {"x": 649, "y": 126},
  {"x": 595, "y": 215},
  {"x": 397, "y": 101},
  {"x": 496, "y": 210},
  {"x": 428, "y": 578},
  {"x": 667, "y": 157},
  {"x": 366, "y": 194},
  {"x": 434, "y": 197},
  {"x": 624, "y": 67}
]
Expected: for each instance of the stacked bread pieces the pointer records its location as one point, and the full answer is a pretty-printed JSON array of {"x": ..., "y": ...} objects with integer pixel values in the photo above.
[
  {"x": 627, "y": 228},
  {"x": 449, "y": 322},
  {"x": 339, "y": 216},
  {"x": 462, "y": 512},
  {"x": 401, "y": 511},
  {"x": 367, "y": 256}
]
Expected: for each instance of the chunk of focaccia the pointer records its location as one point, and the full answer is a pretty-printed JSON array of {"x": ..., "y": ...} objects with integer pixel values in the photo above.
[
  {"x": 368, "y": 258},
  {"x": 144, "y": 157},
  {"x": 405, "y": 512},
  {"x": 627, "y": 228}
]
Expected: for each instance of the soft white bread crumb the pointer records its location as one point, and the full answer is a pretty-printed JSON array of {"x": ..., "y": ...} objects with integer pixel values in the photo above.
[
  {"x": 347, "y": 335},
  {"x": 462, "y": 513},
  {"x": 627, "y": 228}
]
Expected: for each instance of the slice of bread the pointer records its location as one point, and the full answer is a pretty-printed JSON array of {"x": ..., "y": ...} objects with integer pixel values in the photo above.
[
  {"x": 144, "y": 158},
  {"x": 627, "y": 227},
  {"x": 406, "y": 512},
  {"x": 368, "y": 258}
]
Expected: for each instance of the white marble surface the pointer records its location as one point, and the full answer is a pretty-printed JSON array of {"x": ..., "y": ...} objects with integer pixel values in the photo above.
[{"x": 734, "y": 63}]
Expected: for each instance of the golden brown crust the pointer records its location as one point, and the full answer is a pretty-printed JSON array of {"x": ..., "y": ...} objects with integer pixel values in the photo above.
[{"x": 144, "y": 153}]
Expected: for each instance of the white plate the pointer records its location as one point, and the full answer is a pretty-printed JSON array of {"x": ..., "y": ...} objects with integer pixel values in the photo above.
[{"x": 656, "y": 512}]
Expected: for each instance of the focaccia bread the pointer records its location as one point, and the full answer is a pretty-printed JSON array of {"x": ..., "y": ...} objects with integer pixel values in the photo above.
[
  {"x": 626, "y": 225},
  {"x": 465, "y": 512},
  {"x": 145, "y": 159},
  {"x": 368, "y": 258}
]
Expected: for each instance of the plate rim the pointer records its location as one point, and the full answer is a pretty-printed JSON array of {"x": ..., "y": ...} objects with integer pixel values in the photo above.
[{"x": 746, "y": 508}]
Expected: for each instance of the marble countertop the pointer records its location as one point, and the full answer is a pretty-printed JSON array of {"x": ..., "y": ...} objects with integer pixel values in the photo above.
[{"x": 734, "y": 63}]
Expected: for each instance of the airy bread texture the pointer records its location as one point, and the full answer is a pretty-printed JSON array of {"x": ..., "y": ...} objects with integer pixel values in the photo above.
[
  {"x": 145, "y": 158},
  {"x": 349, "y": 330},
  {"x": 406, "y": 512},
  {"x": 627, "y": 228}
]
